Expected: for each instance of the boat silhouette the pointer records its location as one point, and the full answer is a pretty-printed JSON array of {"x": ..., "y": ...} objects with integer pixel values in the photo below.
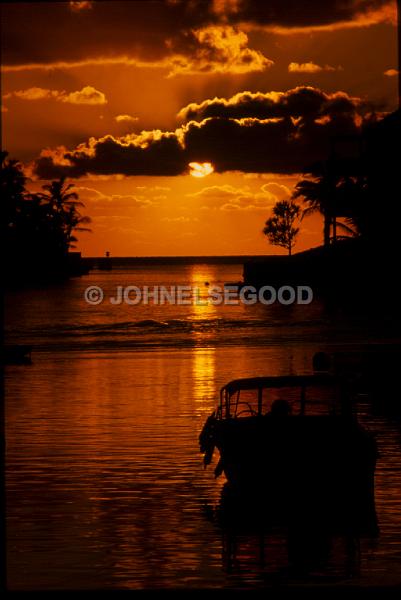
[
  {"x": 16, "y": 354},
  {"x": 295, "y": 445}
]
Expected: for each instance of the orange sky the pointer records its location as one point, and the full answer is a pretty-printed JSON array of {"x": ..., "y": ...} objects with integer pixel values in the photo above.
[{"x": 110, "y": 70}]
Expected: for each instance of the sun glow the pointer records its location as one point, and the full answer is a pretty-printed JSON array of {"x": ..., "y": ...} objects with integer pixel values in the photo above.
[{"x": 200, "y": 169}]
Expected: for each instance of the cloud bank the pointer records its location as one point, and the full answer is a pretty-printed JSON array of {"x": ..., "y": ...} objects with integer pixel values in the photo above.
[
  {"x": 310, "y": 67},
  {"x": 137, "y": 31},
  {"x": 276, "y": 132},
  {"x": 88, "y": 95}
]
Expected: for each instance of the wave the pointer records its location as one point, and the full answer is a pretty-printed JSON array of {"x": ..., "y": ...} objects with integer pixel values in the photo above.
[
  {"x": 120, "y": 326},
  {"x": 172, "y": 333},
  {"x": 151, "y": 334},
  {"x": 169, "y": 326}
]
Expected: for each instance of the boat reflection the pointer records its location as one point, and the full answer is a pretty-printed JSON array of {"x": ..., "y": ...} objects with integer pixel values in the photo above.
[{"x": 259, "y": 545}]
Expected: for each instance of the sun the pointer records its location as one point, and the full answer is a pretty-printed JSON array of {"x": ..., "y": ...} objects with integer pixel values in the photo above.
[{"x": 200, "y": 169}]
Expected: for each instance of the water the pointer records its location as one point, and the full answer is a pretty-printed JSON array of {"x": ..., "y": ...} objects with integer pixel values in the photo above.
[{"x": 105, "y": 483}]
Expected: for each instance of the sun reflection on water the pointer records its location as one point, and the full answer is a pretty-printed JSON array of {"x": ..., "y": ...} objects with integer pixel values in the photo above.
[
  {"x": 203, "y": 374},
  {"x": 201, "y": 281}
]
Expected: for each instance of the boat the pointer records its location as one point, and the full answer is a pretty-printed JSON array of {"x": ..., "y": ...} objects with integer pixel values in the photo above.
[
  {"x": 293, "y": 441},
  {"x": 17, "y": 354}
]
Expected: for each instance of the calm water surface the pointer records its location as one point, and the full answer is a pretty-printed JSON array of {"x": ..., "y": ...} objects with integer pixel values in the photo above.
[{"x": 105, "y": 484}]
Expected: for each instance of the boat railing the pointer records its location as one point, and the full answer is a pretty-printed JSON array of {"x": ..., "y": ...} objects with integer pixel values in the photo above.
[{"x": 314, "y": 394}]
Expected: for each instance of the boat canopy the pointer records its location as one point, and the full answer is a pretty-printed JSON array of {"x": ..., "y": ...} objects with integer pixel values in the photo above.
[
  {"x": 255, "y": 383},
  {"x": 317, "y": 394}
]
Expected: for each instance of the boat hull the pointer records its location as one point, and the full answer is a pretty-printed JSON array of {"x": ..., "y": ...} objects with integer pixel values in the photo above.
[{"x": 306, "y": 465}]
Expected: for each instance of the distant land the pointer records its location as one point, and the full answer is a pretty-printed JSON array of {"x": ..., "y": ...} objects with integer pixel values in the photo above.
[{"x": 126, "y": 261}]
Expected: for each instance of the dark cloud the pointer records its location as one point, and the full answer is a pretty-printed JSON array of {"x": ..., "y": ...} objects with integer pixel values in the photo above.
[
  {"x": 49, "y": 32},
  {"x": 145, "y": 154},
  {"x": 281, "y": 145},
  {"x": 301, "y": 101},
  {"x": 297, "y": 13},
  {"x": 291, "y": 133}
]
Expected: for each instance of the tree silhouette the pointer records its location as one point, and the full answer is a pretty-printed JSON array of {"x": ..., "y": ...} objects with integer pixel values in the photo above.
[
  {"x": 338, "y": 188},
  {"x": 318, "y": 192},
  {"x": 280, "y": 229},
  {"x": 63, "y": 214},
  {"x": 73, "y": 221},
  {"x": 12, "y": 185},
  {"x": 37, "y": 228},
  {"x": 356, "y": 204}
]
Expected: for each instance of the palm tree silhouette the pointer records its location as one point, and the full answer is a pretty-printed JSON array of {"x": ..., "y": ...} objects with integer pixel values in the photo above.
[
  {"x": 63, "y": 214},
  {"x": 355, "y": 203},
  {"x": 12, "y": 186},
  {"x": 318, "y": 191},
  {"x": 73, "y": 221},
  {"x": 37, "y": 228}
]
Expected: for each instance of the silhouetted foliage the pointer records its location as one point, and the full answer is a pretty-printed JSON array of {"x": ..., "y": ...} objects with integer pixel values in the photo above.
[
  {"x": 354, "y": 202},
  {"x": 37, "y": 228},
  {"x": 280, "y": 229},
  {"x": 318, "y": 192},
  {"x": 338, "y": 189},
  {"x": 63, "y": 213}
]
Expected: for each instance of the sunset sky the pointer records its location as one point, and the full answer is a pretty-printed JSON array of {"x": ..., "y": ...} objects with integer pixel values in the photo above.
[{"x": 122, "y": 96}]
